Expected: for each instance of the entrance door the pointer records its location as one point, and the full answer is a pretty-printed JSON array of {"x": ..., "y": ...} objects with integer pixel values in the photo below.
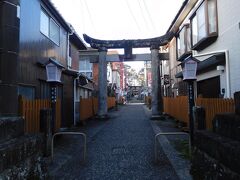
[{"x": 209, "y": 88}]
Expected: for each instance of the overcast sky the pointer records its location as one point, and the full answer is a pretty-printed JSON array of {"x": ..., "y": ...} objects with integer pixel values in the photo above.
[{"x": 119, "y": 19}]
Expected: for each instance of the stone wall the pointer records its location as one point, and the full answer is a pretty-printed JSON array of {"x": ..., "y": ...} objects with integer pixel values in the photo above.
[
  {"x": 215, "y": 157},
  {"x": 21, "y": 156}
]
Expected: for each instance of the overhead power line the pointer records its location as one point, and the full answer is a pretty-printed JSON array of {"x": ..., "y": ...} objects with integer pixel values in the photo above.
[
  {"x": 133, "y": 16},
  {"x": 149, "y": 15},
  {"x": 142, "y": 12},
  {"x": 89, "y": 14},
  {"x": 81, "y": 8}
]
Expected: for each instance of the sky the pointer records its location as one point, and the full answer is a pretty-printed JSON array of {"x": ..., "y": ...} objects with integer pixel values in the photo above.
[{"x": 119, "y": 19}]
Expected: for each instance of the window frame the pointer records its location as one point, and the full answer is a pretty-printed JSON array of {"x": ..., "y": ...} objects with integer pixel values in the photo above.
[
  {"x": 23, "y": 88},
  {"x": 210, "y": 37},
  {"x": 41, "y": 29},
  {"x": 54, "y": 22},
  {"x": 187, "y": 50},
  {"x": 50, "y": 19},
  {"x": 85, "y": 71}
]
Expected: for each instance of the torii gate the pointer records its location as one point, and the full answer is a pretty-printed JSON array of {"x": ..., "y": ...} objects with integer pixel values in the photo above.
[{"x": 127, "y": 45}]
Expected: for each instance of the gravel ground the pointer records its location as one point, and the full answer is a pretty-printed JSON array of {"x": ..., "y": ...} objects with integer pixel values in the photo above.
[{"x": 119, "y": 148}]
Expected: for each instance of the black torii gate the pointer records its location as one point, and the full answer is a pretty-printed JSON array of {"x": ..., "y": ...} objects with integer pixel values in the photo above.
[{"x": 127, "y": 45}]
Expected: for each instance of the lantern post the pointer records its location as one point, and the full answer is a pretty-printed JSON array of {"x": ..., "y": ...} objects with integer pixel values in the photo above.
[
  {"x": 54, "y": 72},
  {"x": 189, "y": 69}
]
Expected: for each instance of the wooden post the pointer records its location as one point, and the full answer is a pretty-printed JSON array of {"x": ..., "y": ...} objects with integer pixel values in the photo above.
[{"x": 46, "y": 128}]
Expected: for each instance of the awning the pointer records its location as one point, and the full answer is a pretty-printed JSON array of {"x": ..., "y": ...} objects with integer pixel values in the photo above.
[
  {"x": 208, "y": 64},
  {"x": 71, "y": 72}
]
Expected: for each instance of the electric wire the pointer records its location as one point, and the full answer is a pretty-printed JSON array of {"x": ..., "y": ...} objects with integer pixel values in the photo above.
[
  {"x": 142, "y": 12},
  {"x": 149, "y": 15},
  {"x": 89, "y": 14},
  {"x": 76, "y": 4},
  {"x": 133, "y": 16}
]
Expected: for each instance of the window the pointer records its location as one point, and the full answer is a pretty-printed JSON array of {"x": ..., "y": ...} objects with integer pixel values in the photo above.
[
  {"x": 28, "y": 92},
  {"x": 85, "y": 67},
  {"x": 49, "y": 27},
  {"x": 204, "y": 25},
  {"x": 44, "y": 26},
  {"x": 183, "y": 42},
  {"x": 54, "y": 32}
]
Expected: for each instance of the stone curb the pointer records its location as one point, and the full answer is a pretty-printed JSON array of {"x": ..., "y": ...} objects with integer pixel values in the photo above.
[{"x": 180, "y": 165}]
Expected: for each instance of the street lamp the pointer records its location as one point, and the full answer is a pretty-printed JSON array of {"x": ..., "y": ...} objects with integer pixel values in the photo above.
[
  {"x": 54, "y": 72},
  {"x": 189, "y": 69}
]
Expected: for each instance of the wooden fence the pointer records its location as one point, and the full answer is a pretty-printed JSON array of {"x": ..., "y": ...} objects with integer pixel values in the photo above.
[
  {"x": 215, "y": 106},
  {"x": 89, "y": 107},
  {"x": 30, "y": 110},
  {"x": 148, "y": 101},
  {"x": 111, "y": 101},
  {"x": 178, "y": 107}
]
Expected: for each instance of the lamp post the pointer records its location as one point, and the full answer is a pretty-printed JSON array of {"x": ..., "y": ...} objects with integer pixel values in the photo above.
[
  {"x": 189, "y": 69},
  {"x": 54, "y": 72}
]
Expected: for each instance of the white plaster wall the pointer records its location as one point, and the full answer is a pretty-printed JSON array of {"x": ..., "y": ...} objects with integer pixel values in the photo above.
[{"x": 228, "y": 39}]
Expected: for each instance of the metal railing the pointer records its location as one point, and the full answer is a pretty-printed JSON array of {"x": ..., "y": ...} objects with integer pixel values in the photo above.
[
  {"x": 71, "y": 133},
  {"x": 169, "y": 133}
]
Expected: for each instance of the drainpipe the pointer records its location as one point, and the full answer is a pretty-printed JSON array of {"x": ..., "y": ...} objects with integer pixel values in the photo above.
[
  {"x": 74, "y": 80},
  {"x": 226, "y": 52},
  {"x": 69, "y": 34},
  {"x": 74, "y": 101}
]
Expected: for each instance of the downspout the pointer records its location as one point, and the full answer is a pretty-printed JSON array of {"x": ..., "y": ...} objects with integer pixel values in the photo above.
[
  {"x": 74, "y": 79},
  {"x": 226, "y": 52},
  {"x": 74, "y": 100},
  {"x": 69, "y": 34}
]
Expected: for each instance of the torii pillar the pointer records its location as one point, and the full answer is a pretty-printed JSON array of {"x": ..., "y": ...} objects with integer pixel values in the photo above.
[
  {"x": 102, "y": 83},
  {"x": 157, "y": 106}
]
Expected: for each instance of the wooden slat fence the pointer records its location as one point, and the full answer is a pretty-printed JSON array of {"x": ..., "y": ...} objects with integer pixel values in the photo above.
[
  {"x": 178, "y": 107},
  {"x": 86, "y": 108},
  {"x": 148, "y": 100},
  {"x": 30, "y": 110},
  {"x": 214, "y": 106},
  {"x": 111, "y": 101},
  {"x": 89, "y": 107}
]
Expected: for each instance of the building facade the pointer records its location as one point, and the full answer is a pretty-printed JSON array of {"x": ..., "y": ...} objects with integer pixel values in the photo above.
[
  {"x": 208, "y": 31},
  {"x": 42, "y": 33}
]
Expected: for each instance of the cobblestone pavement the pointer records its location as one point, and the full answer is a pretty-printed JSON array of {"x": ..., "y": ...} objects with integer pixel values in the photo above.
[{"x": 119, "y": 148}]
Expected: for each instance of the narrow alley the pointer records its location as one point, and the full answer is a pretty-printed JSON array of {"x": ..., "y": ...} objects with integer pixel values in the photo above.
[
  {"x": 119, "y": 148},
  {"x": 133, "y": 89}
]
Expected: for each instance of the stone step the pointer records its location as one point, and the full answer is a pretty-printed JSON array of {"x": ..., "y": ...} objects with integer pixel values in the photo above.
[
  {"x": 11, "y": 127},
  {"x": 15, "y": 151}
]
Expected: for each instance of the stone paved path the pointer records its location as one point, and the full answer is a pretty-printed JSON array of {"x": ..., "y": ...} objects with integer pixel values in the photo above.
[{"x": 120, "y": 148}]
